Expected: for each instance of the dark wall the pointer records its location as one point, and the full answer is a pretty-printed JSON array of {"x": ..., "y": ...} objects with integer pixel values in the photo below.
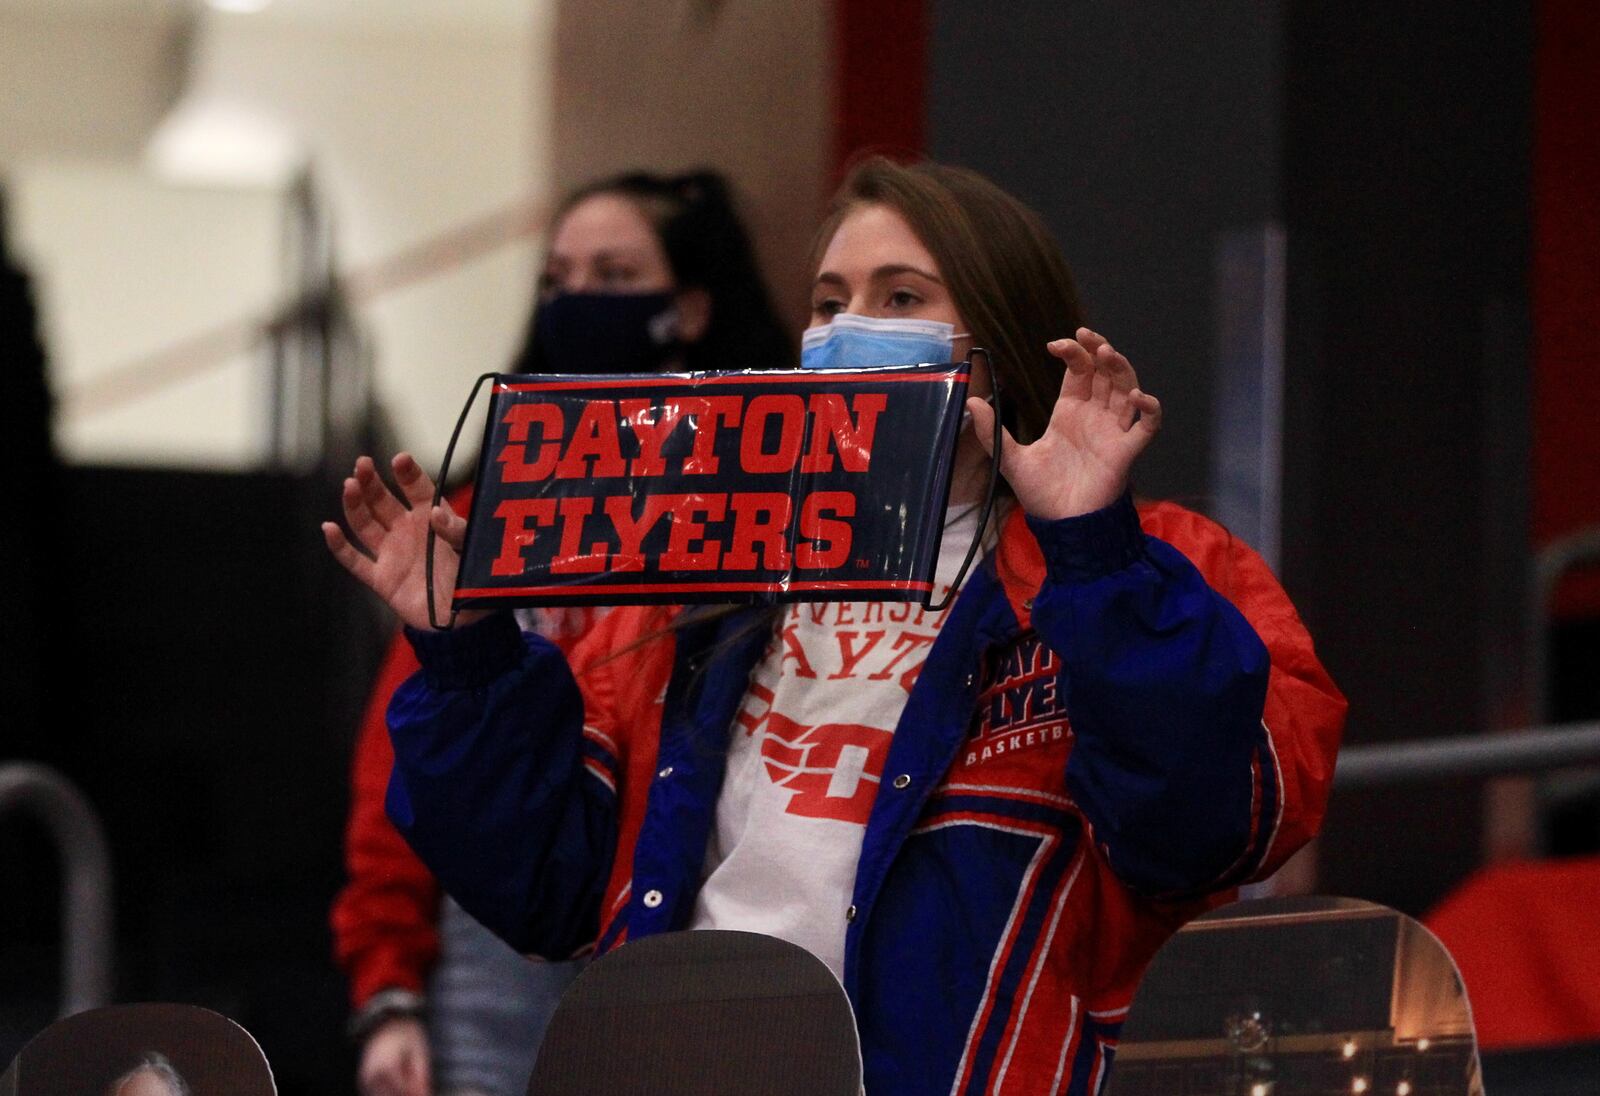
[
  {"x": 1393, "y": 142},
  {"x": 1138, "y": 129},
  {"x": 29, "y": 630},
  {"x": 205, "y": 701},
  {"x": 1405, "y": 194}
]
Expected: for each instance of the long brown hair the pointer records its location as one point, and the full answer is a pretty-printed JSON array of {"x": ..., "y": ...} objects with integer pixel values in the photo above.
[{"x": 1004, "y": 270}]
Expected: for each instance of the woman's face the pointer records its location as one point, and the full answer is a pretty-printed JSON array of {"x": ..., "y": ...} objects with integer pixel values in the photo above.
[
  {"x": 605, "y": 245},
  {"x": 876, "y": 266}
]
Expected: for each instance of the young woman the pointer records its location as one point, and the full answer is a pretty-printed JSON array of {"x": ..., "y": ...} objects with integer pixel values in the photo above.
[
  {"x": 986, "y": 820},
  {"x": 643, "y": 272}
]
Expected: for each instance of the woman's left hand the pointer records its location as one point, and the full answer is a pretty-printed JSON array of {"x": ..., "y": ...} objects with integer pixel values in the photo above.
[{"x": 1081, "y": 463}]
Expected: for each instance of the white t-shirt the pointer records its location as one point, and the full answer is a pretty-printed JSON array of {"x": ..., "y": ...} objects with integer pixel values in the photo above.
[{"x": 806, "y": 758}]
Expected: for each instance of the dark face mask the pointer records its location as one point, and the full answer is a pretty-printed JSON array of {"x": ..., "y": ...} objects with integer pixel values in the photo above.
[{"x": 606, "y": 332}]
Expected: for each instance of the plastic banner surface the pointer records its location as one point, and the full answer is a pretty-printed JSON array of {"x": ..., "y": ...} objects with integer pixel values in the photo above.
[{"x": 771, "y": 486}]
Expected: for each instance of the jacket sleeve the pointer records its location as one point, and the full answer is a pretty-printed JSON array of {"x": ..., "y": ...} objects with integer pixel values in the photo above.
[
  {"x": 384, "y": 920},
  {"x": 501, "y": 788},
  {"x": 1205, "y": 727}
]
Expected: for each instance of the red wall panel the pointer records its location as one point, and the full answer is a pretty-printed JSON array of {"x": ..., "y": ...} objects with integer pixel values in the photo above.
[{"x": 880, "y": 78}]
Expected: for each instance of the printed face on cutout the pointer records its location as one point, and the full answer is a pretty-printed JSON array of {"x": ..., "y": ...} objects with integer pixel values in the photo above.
[
  {"x": 145, "y": 1082},
  {"x": 605, "y": 245},
  {"x": 876, "y": 266}
]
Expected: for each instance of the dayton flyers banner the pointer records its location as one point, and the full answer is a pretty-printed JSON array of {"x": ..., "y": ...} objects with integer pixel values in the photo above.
[{"x": 793, "y": 485}]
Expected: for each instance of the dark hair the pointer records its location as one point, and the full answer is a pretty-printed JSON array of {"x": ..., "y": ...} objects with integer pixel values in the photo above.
[
  {"x": 707, "y": 248},
  {"x": 1004, "y": 270}
]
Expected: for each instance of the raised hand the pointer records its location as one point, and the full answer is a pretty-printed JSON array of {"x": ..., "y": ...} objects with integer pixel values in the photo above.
[
  {"x": 1081, "y": 462},
  {"x": 392, "y": 530}
]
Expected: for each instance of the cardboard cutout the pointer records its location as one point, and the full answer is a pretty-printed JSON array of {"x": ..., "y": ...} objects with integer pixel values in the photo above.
[
  {"x": 1301, "y": 995},
  {"x": 141, "y": 1050},
  {"x": 690, "y": 1013}
]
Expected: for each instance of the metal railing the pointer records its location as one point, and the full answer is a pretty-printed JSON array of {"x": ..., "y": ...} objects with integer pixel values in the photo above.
[
  {"x": 1503, "y": 753},
  {"x": 85, "y": 873}
]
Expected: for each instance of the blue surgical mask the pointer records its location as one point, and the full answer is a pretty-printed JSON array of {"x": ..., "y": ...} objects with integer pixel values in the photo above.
[{"x": 850, "y": 341}]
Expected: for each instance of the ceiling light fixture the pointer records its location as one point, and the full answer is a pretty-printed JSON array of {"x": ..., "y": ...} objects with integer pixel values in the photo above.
[{"x": 221, "y": 144}]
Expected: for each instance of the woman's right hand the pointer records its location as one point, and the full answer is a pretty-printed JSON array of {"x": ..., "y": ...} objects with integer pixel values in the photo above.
[
  {"x": 394, "y": 1060},
  {"x": 393, "y": 530},
  {"x": 1102, "y": 421}
]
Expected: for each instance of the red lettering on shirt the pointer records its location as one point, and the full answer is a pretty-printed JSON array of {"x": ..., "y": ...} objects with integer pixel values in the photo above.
[
  {"x": 749, "y": 719},
  {"x": 910, "y": 641},
  {"x": 849, "y": 657},
  {"x": 834, "y": 769},
  {"x": 792, "y": 648}
]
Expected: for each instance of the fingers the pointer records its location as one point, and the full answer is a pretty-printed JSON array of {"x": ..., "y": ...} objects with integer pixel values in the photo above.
[
  {"x": 982, "y": 422},
  {"x": 370, "y": 508},
  {"x": 1127, "y": 411},
  {"x": 415, "y": 484},
  {"x": 1114, "y": 374},
  {"x": 357, "y": 514},
  {"x": 1140, "y": 409},
  {"x": 450, "y": 526},
  {"x": 1101, "y": 364},
  {"x": 1092, "y": 340},
  {"x": 1149, "y": 415},
  {"x": 1096, "y": 370},
  {"x": 375, "y": 494},
  {"x": 1078, "y": 378},
  {"x": 346, "y": 553},
  {"x": 983, "y": 426},
  {"x": 1102, "y": 387}
]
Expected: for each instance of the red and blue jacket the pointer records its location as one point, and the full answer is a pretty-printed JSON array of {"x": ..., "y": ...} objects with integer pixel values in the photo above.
[{"x": 1122, "y": 719}]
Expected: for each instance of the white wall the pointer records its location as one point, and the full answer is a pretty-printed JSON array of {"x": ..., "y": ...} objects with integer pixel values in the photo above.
[
  {"x": 124, "y": 265},
  {"x": 416, "y": 116},
  {"x": 413, "y": 127}
]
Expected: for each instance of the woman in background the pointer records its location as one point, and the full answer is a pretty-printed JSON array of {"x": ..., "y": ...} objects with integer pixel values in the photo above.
[{"x": 643, "y": 273}]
